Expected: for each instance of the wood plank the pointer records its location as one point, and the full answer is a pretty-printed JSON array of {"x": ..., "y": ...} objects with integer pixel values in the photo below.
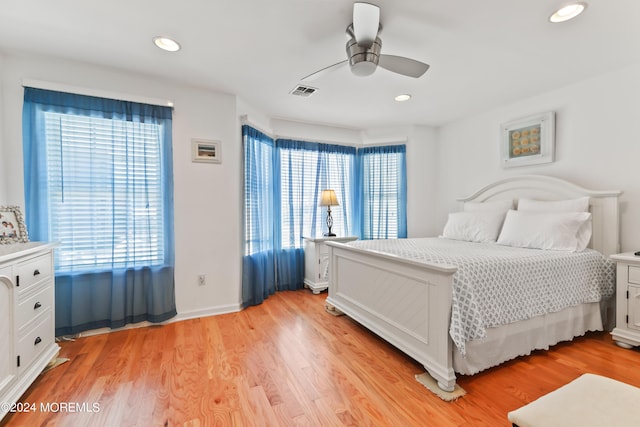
[{"x": 287, "y": 362}]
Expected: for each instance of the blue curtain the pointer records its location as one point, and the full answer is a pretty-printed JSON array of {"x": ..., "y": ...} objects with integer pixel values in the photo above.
[
  {"x": 99, "y": 179},
  {"x": 382, "y": 192},
  {"x": 302, "y": 170},
  {"x": 258, "y": 262}
]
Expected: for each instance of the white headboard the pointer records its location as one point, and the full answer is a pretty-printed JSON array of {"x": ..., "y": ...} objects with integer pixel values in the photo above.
[{"x": 603, "y": 205}]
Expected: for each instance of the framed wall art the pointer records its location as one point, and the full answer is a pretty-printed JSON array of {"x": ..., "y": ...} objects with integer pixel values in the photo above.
[
  {"x": 12, "y": 227},
  {"x": 528, "y": 141},
  {"x": 205, "y": 151}
]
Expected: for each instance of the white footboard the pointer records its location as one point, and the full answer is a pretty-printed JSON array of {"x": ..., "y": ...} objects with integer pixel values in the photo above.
[{"x": 406, "y": 302}]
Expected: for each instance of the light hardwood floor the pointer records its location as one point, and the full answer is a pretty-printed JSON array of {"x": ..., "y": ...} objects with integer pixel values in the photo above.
[{"x": 287, "y": 362}]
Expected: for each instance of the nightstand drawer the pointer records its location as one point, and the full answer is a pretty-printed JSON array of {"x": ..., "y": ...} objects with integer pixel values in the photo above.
[
  {"x": 634, "y": 275},
  {"x": 32, "y": 271},
  {"x": 34, "y": 306}
]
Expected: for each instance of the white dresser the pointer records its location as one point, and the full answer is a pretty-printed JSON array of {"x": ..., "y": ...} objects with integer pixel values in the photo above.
[
  {"x": 627, "y": 330},
  {"x": 27, "y": 317},
  {"x": 316, "y": 261}
]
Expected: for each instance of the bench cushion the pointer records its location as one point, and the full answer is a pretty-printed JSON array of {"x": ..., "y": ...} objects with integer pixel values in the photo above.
[{"x": 590, "y": 400}]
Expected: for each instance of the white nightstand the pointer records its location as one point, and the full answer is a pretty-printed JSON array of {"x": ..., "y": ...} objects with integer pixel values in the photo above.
[
  {"x": 316, "y": 261},
  {"x": 627, "y": 330}
]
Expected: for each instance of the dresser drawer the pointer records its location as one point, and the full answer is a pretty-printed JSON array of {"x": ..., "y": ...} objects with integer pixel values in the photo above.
[
  {"x": 35, "y": 340},
  {"x": 32, "y": 271},
  {"x": 32, "y": 307},
  {"x": 634, "y": 275}
]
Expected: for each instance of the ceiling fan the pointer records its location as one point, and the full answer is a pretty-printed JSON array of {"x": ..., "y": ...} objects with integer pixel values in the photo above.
[{"x": 364, "y": 45}]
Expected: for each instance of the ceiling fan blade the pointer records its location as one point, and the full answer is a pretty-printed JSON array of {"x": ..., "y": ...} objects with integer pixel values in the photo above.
[
  {"x": 324, "y": 71},
  {"x": 366, "y": 21},
  {"x": 401, "y": 65}
]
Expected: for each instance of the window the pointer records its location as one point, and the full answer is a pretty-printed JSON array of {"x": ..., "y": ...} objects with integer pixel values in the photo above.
[
  {"x": 305, "y": 170},
  {"x": 283, "y": 182},
  {"x": 105, "y": 192},
  {"x": 99, "y": 180},
  {"x": 258, "y": 191},
  {"x": 384, "y": 193}
]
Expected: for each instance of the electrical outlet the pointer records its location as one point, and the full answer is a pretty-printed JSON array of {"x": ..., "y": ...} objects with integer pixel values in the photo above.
[{"x": 201, "y": 280}]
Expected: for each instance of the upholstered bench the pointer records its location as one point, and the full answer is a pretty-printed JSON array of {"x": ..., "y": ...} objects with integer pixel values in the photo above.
[{"x": 590, "y": 400}]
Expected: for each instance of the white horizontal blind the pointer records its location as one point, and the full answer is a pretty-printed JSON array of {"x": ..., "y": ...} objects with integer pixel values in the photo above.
[
  {"x": 381, "y": 177},
  {"x": 258, "y": 195},
  {"x": 303, "y": 175},
  {"x": 105, "y": 186}
]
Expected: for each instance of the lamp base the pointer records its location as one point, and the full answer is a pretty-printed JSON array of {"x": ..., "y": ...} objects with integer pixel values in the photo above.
[{"x": 329, "y": 234}]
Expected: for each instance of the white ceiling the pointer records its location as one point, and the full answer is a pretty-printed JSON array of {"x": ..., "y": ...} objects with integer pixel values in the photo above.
[{"x": 482, "y": 53}]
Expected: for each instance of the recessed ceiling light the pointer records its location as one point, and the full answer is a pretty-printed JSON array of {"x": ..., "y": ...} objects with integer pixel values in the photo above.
[
  {"x": 165, "y": 43},
  {"x": 403, "y": 97},
  {"x": 568, "y": 12}
]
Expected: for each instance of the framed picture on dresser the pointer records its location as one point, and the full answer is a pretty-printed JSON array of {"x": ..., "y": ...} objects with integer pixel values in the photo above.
[{"x": 12, "y": 227}]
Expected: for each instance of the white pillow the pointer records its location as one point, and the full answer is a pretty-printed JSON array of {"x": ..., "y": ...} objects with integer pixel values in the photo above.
[
  {"x": 544, "y": 230},
  {"x": 473, "y": 226},
  {"x": 493, "y": 205},
  {"x": 571, "y": 205}
]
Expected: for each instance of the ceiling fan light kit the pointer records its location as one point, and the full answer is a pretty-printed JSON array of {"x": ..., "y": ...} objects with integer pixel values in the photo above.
[{"x": 363, "y": 60}]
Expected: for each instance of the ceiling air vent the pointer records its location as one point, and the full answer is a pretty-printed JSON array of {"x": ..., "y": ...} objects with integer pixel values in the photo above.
[{"x": 303, "y": 90}]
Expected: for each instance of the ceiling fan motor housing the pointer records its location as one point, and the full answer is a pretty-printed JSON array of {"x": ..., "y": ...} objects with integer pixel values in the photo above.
[{"x": 363, "y": 60}]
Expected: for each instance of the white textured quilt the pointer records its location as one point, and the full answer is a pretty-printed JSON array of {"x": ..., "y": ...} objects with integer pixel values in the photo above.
[{"x": 497, "y": 285}]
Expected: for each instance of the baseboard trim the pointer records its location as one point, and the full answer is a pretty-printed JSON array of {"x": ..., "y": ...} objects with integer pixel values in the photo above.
[{"x": 187, "y": 315}]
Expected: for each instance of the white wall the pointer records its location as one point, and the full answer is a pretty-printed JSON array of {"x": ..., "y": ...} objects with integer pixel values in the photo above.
[
  {"x": 597, "y": 145},
  {"x": 287, "y": 129},
  {"x": 4, "y": 177},
  {"x": 422, "y": 182},
  {"x": 207, "y": 196}
]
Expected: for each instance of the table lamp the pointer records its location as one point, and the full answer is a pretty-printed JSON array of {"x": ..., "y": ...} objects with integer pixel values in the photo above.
[{"x": 328, "y": 199}]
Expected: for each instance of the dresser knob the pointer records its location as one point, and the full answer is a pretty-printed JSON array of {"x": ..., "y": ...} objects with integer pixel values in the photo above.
[
  {"x": 36, "y": 272},
  {"x": 37, "y": 341},
  {"x": 37, "y": 305}
]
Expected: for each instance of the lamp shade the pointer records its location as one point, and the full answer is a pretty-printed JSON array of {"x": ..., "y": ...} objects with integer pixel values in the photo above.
[{"x": 328, "y": 198}]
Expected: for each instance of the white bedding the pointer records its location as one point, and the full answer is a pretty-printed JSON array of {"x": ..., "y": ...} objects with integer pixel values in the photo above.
[{"x": 497, "y": 285}]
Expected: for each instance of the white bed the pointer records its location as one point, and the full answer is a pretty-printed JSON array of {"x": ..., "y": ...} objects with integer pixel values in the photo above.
[{"x": 408, "y": 301}]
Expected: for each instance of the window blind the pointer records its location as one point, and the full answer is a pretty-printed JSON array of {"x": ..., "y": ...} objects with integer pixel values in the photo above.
[
  {"x": 105, "y": 192},
  {"x": 305, "y": 170},
  {"x": 383, "y": 174},
  {"x": 258, "y": 191}
]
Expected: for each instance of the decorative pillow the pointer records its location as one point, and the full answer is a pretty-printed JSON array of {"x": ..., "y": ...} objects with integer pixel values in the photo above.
[
  {"x": 473, "y": 226},
  {"x": 544, "y": 230},
  {"x": 493, "y": 205},
  {"x": 571, "y": 205}
]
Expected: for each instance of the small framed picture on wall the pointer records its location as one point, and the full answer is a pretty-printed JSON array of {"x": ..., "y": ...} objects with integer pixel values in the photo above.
[{"x": 205, "y": 151}]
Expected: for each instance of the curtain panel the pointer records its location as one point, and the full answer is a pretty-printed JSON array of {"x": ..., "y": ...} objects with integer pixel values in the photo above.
[
  {"x": 258, "y": 262},
  {"x": 99, "y": 179}
]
